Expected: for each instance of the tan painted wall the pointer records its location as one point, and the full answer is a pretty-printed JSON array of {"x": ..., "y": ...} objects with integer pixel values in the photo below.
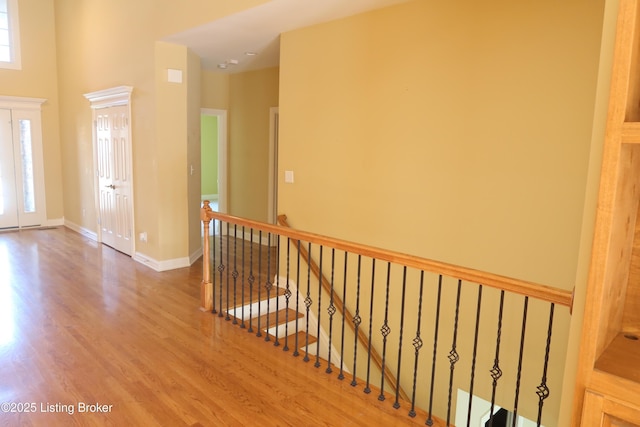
[
  {"x": 251, "y": 95},
  {"x": 38, "y": 79},
  {"x": 456, "y": 132},
  {"x": 103, "y": 44}
]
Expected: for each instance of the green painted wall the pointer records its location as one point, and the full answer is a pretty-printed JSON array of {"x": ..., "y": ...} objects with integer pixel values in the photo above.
[{"x": 209, "y": 151}]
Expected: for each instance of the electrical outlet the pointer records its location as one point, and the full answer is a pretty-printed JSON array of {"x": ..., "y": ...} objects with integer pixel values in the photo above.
[{"x": 143, "y": 236}]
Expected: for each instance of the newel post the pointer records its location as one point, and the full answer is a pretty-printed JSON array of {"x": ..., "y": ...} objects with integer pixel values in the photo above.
[{"x": 206, "y": 288}]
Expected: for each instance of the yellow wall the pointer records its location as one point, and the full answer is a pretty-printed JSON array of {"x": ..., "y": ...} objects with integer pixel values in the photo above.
[
  {"x": 459, "y": 132},
  {"x": 38, "y": 79},
  {"x": 252, "y": 94}
]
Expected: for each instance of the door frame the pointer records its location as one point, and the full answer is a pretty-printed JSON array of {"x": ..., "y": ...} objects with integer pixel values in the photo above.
[
  {"x": 30, "y": 107},
  {"x": 112, "y": 97},
  {"x": 274, "y": 133},
  {"x": 222, "y": 155}
]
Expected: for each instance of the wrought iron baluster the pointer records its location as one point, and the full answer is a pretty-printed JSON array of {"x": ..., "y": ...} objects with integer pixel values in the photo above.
[
  {"x": 417, "y": 345},
  {"x": 307, "y": 302},
  {"x": 277, "y": 283},
  {"x": 234, "y": 274},
  {"x": 543, "y": 389},
  {"x": 435, "y": 352},
  {"x": 227, "y": 317},
  {"x": 385, "y": 330},
  {"x": 396, "y": 404},
  {"x": 317, "y": 364},
  {"x": 475, "y": 353},
  {"x": 356, "y": 323},
  {"x": 213, "y": 268},
  {"x": 496, "y": 372},
  {"x": 242, "y": 323},
  {"x": 221, "y": 270},
  {"x": 287, "y": 295},
  {"x": 367, "y": 389},
  {"x": 297, "y": 345},
  {"x": 519, "y": 374},
  {"x": 453, "y": 354},
  {"x": 268, "y": 285},
  {"x": 259, "y": 330},
  {"x": 344, "y": 301},
  {"x": 331, "y": 310},
  {"x": 251, "y": 281}
]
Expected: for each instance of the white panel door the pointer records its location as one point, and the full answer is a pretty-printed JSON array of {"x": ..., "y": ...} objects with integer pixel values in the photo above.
[
  {"x": 22, "y": 199},
  {"x": 8, "y": 197},
  {"x": 114, "y": 180}
]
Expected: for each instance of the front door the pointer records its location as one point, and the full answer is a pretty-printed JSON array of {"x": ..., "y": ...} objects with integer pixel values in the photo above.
[
  {"x": 114, "y": 180},
  {"x": 22, "y": 199}
]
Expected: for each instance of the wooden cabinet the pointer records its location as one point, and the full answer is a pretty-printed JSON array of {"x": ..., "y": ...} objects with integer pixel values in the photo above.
[{"x": 608, "y": 385}]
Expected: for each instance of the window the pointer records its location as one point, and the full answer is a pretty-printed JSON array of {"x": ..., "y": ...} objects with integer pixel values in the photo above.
[{"x": 9, "y": 35}]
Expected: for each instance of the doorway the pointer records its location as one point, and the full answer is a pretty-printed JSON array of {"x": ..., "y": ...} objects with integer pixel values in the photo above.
[
  {"x": 213, "y": 159},
  {"x": 22, "y": 191},
  {"x": 113, "y": 163}
]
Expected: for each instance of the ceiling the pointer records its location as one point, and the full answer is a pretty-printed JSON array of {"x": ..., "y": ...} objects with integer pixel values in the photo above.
[{"x": 258, "y": 30}]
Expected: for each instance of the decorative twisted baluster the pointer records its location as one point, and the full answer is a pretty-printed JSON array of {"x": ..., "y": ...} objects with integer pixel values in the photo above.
[
  {"x": 295, "y": 351},
  {"x": 417, "y": 345},
  {"x": 234, "y": 274},
  {"x": 396, "y": 404},
  {"x": 519, "y": 374},
  {"x": 287, "y": 295},
  {"x": 435, "y": 352},
  {"x": 221, "y": 271},
  {"x": 385, "y": 330},
  {"x": 475, "y": 353},
  {"x": 356, "y": 323},
  {"x": 268, "y": 286},
  {"x": 307, "y": 302},
  {"x": 453, "y": 354},
  {"x": 496, "y": 372},
  {"x": 317, "y": 363},
  {"x": 344, "y": 298},
  {"x": 259, "y": 329},
  {"x": 242, "y": 323},
  {"x": 277, "y": 341},
  {"x": 227, "y": 317},
  {"x": 251, "y": 279},
  {"x": 543, "y": 389},
  {"x": 331, "y": 310},
  {"x": 367, "y": 389}
]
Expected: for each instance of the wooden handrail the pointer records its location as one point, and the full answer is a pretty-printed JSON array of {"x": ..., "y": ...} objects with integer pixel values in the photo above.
[
  {"x": 530, "y": 289},
  {"x": 362, "y": 337}
]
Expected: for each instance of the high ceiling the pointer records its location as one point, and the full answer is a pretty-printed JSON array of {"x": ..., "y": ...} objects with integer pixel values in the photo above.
[{"x": 258, "y": 30}]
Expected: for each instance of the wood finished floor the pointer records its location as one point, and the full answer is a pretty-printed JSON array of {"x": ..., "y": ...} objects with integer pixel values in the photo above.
[{"x": 82, "y": 323}]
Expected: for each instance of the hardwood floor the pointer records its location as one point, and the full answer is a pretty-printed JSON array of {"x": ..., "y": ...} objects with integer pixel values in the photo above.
[{"x": 82, "y": 325}]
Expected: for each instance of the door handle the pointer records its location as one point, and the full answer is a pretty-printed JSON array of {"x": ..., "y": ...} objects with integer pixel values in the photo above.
[{"x": 113, "y": 187}]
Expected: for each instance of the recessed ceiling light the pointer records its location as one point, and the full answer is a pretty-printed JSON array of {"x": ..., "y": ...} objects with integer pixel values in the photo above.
[
  {"x": 222, "y": 66},
  {"x": 251, "y": 53},
  {"x": 232, "y": 61}
]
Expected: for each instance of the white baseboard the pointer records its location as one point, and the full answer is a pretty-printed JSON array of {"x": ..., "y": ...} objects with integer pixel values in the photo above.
[
  {"x": 195, "y": 256},
  {"x": 58, "y": 222},
  {"x": 78, "y": 229},
  {"x": 169, "y": 264}
]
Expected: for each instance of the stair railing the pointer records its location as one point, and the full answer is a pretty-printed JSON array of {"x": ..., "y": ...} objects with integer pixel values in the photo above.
[
  {"x": 478, "y": 299},
  {"x": 362, "y": 337}
]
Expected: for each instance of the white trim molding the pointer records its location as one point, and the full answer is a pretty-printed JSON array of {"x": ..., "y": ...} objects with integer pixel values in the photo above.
[
  {"x": 119, "y": 95},
  {"x": 21, "y": 103}
]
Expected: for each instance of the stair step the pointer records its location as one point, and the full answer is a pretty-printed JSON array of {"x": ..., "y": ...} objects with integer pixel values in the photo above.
[
  {"x": 284, "y": 316},
  {"x": 291, "y": 339}
]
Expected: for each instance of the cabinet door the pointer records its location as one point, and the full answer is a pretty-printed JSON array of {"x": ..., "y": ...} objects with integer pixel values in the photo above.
[{"x": 600, "y": 411}]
